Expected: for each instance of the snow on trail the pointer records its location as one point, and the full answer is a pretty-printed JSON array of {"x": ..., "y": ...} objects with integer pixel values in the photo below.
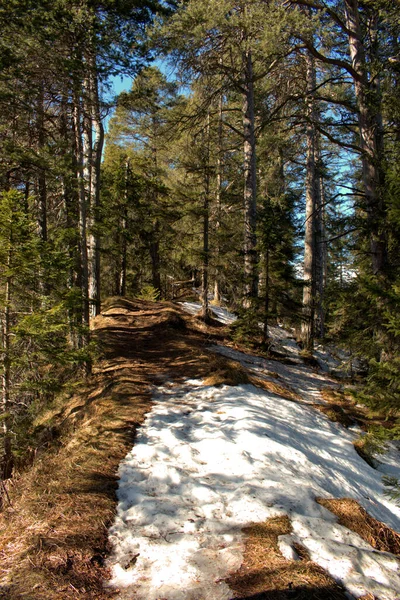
[
  {"x": 300, "y": 378},
  {"x": 221, "y": 314},
  {"x": 208, "y": 461}
]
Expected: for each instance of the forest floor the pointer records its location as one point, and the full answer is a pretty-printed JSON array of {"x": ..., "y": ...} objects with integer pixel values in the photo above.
[{"x": 54, "y": 527}]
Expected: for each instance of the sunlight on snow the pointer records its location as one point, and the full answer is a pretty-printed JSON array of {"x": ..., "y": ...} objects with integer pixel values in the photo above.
[{"x": 208, "y": 461}]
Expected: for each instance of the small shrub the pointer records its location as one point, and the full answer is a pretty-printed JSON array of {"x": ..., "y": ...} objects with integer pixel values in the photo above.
[{"x": 150, "y": 293}]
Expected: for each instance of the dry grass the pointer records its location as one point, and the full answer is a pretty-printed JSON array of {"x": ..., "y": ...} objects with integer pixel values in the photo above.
[
  {"x": 346, "y": 410},
  {"x": 351, "y": 515},
  {"x": 275, "y": 388},
  {"x": 226, "y": 372},
  {"x": 266, "y": 574}
]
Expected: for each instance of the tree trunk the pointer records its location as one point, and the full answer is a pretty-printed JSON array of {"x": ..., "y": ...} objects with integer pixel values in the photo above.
[
  {"x": 206, "y": 222},
  {"x": 7, "y": 459},
  {"x": 217, "y": 287},
  {"x": 97, "y": 141},
  {"x": 312, "y": 202},
  {"x": 70, "y": 197},
  {"x": 250, "y": 186},
  {"x": 82, "y": 216},
  {"x": 121, "y": 273},
  {"x": 42, "y": 188},
  {"x": 321, "y": 261},
  {"x": 266, "y": 297},
  {"x": 155, "y": 256},
  {"x": 371, "y": 140}
]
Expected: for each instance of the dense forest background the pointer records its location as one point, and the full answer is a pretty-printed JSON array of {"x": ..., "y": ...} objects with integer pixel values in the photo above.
[{"x": 255, "y": 158}]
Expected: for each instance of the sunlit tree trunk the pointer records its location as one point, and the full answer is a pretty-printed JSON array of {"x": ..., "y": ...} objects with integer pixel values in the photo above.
[
  {"x": 312, "y": 204},
  {"x": 206, "y": 224},
  {"x": 121, "y": 271},
  {"x": 97, "y": 142},
  {"x": 42, "y": 186},
  {"x": 82, "y": 211},
  {"x": 217, "y": 288},
  {"x": 250, "y": 185},
  {"x": 321, "y": 260},
  {"x": 7, "y": 459}
]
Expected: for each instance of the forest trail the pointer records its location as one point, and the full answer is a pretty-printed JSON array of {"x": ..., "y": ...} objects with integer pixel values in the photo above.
[{"x": 54, "y": 535}]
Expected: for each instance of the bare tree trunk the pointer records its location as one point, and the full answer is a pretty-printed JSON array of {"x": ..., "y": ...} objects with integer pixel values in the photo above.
[
  {"x": 266, "y": 297},
  {"x": 97, "y": 141},
  {"x": 42, "y": 187},
  {"x": 7, "y": 459},
  {"x": 217, "y": 288},
  {"x": 371, "y": 139},
  {"x": 321, "y": 261},
  {"x": 250, "y": 185},
  {"x": 155, "y": 256},
  {"x": 312, "y": 202},
  {"x": 82, "y": 214},
  {"x": 206, "y": 222},
  {"x": 69, "y": 194},
  {"x": 121, "y": 273}
]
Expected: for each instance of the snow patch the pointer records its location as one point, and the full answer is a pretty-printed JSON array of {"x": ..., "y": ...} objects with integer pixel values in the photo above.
[
  {"x": 221, "y": 314},
  {"x": 208, "y": 461}
]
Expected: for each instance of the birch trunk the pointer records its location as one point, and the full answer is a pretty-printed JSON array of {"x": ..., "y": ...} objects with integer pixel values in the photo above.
[{"x": 250, "y": 185}]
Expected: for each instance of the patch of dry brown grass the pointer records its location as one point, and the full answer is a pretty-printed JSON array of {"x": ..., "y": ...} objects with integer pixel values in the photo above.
[
  {"x": 346, "y": 410},
  {"x": 275, "y": 388},
  {"x": 266, "y": 574},
  {"x": 54, "y": 535},
  {"x": 353, "y": 516},
  {"x": 226, "y": 372}
]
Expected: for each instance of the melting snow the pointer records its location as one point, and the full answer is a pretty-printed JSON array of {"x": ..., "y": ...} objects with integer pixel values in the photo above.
[
  {"x": 209, "y": 460},
  {"x": 221, "y": 314}
]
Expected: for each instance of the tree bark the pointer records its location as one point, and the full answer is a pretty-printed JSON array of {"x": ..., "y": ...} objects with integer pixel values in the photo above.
[
  {"x": 217, "y": 286},
  {"x": 206, "y": 222},
  {"x": 312, "y": 202},
  {"x": 266, "y": 297},
  {"x": 321, "y": 260},
  {"x": 155, "y": 256},
  {"x": 121, "y": 272},
  {"x": 42, "y": 187},
  {"x": 79, "y": 152},
  {"x": 371, "y": 140},
  {"x": 96, "y": 150},
  {"x": 70, "y": 197},
  {"x": 250, "y": 185},
  {"x": 7, "y": 459}
]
